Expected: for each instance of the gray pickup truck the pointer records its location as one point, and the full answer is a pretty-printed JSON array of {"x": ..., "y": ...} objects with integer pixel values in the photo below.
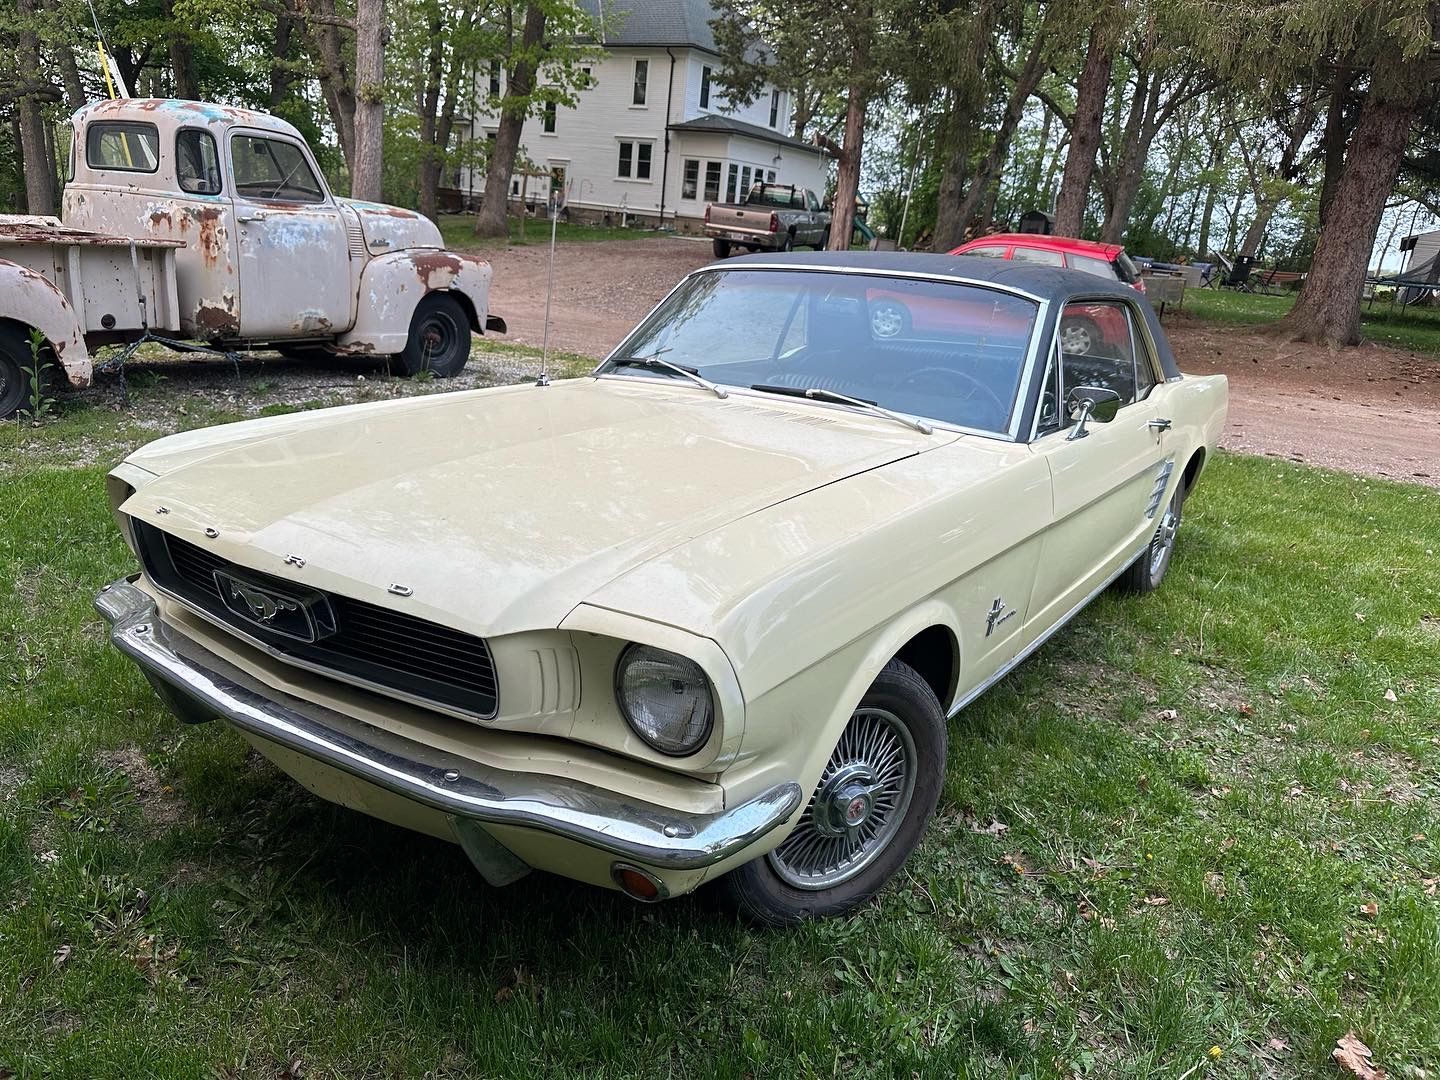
[{"x": 772, "y": 217}]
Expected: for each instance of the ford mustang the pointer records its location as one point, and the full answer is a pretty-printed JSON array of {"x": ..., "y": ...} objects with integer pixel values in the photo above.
[{"x": 700, "y": 616}]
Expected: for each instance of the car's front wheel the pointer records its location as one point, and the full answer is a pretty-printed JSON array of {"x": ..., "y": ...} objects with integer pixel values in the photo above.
[
  {"x": 1146, "y": 573},
  {"x": 15, "y": 366},
  {"x": 866, "y": 815}
]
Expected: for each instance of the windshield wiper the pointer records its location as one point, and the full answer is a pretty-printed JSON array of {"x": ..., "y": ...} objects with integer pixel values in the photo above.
[
  {"x": 815, "y": 393},
  {"x": 690, "y": 373}
]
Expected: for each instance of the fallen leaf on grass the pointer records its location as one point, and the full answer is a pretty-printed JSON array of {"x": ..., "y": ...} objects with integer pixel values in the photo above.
[
  {"x": 1390, "y": 696},
  {"x": 1156, "y": 901},
  {"x": 1246, "y": 709},
  {"x": 294, "y": 1071},
  {"x": 1359, "y": 617},
  {"x": 995, "y": 828},
  {"x": 1277, "y": 1046},
  {"x": 1370, "y": 910},
  {"x": 1015, "y": 863},
  {"x": 1354, "y": 1056},
  {"x": 62, "y": 954},
  {"x": 1429, "y": 884},
  {"x": 1167, "y": 714}
]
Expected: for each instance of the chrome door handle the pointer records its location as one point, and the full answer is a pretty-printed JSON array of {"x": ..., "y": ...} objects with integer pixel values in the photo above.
[
  {"x": 1159, "y": 425},
  {"x": 250, "y": 215}
]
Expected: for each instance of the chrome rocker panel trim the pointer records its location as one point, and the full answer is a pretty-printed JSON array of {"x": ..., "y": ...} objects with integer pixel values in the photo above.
[{"x": 642, "y": 832}]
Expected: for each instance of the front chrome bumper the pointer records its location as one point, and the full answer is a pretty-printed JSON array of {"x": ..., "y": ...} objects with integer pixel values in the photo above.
[{"x": 199, "y": 686}]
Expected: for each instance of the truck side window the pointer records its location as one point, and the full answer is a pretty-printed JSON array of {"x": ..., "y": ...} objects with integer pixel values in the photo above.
[
  {"x": 122, "y": 145},
  {"x": 272, "y": 169},
  {"x": 197, "y": 162}
]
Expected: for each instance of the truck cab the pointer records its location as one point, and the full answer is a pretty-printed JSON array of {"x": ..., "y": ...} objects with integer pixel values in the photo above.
[{"x": 263, "y": 253}]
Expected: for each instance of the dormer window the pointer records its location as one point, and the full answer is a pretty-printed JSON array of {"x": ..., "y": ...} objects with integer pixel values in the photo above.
[{"x": 642, "y": 81}]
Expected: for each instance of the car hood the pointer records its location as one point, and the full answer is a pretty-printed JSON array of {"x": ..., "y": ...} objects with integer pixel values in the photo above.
[
  {"x": 392, "y": 228},
  {"x": 500, "y": 510}
]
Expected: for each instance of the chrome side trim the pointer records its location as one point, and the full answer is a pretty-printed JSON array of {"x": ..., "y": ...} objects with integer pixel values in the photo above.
[
  {"x": 1029, "y": 650},
  {"x": 199, "y": 685}
]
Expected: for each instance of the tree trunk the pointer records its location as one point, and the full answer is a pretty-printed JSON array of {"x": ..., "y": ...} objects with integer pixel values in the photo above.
[
  {"x": 984, "y": 181},
  {"x": 182, "y": 59},
  {"x": 1212, "y": 190},
  {"x": 1037, "y": 171},
  {"x": 39, "y": 172},
  {"x": 280, "y": 75},
  {"x": 336, "y": 87},
  {"x": 366, "y": 171},
  {"x": 429, "y": 107},
  {"x": 847, "y": 174},
  {"x": 491, "y": 221},
  {"x": 1084, "y": 134},
  {"x": 1334, "y": 141},
  {"x": 1328, "y": 310},
  {"x": 949, "y": 229},
  {"x": 65, "y": 60}
]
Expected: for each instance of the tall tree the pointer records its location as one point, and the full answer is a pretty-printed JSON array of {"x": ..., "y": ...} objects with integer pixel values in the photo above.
[
  {"x": 1090, "y": 94},
  {"x": 35, "y": 153},
  {"x": 367, "y": 164},
  {"x": 516, "y": 105}
]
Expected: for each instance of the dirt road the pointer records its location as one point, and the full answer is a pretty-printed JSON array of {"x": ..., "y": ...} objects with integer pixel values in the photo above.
[{"x": 1371, "y": 410}]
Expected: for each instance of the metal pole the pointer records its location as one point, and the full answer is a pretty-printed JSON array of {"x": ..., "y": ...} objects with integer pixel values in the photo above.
[{"x": 544, "y": 379}]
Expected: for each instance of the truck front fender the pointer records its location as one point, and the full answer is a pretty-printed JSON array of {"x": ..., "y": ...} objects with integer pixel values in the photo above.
[
  {"x": 29, "y": 300},
  {"x": 391, "y": 286}
]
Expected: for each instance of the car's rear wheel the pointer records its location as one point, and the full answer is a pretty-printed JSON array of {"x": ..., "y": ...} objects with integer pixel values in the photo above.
[
  {"x": 787, "y": 242},
  {"x": 866, "y": 815},
  {"x": 1146, "y": 573},
  {"x": 14, "y": 378},
  {"x": 889, "y": 319},
  {"x": 824, "y": 240},
  {"x": 439, "y": 339},
  {"x": 1078, "y": 336},
  {"x": 721, "y": 248}
]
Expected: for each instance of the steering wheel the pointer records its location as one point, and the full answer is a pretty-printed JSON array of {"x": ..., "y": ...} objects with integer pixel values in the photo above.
[{"x": 1001, "y": 409}]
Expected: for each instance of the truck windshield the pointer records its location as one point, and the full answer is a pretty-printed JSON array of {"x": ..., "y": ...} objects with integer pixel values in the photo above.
[{"x": 941, "y": 350}]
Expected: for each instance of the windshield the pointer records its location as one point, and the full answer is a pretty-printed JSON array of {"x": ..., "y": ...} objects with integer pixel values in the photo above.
[{"x": 941, "y": 350}]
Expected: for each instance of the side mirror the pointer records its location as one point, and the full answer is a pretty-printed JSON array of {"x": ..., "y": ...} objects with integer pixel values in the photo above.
[{"x": 1086, "y": 403}]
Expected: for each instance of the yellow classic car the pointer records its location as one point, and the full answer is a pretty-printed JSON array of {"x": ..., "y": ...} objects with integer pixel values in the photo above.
[{"x": 700, "y": 616}]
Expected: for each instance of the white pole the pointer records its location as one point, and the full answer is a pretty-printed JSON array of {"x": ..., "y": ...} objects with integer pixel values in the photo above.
[{"x": 544, "y": 379}]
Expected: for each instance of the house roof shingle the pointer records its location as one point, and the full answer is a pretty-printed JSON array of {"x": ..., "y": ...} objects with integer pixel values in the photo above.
[
  {"x": 728, "y": 126},
  {"x": 655, "y": 22}
]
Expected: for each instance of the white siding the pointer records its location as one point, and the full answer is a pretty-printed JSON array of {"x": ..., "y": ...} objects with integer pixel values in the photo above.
[{"x": 587, "y": 138}]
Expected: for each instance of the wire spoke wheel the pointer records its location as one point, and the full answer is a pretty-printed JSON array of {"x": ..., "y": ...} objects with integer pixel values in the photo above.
[
  {"x": 1164, "y": 541},
  {"x": 858, "y": 806}
]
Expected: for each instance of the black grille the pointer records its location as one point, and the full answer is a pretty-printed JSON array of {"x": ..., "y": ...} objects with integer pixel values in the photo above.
[{"x": 384, "y": 648}]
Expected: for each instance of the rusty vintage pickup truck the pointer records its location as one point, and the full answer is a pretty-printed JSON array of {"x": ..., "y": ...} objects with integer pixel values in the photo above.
[{"x": 210, "y": 223}]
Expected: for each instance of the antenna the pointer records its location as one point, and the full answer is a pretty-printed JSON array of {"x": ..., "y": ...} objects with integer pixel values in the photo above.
[
  {"x": 544, "y": 379},
  {"x": 108, "y": 67}
]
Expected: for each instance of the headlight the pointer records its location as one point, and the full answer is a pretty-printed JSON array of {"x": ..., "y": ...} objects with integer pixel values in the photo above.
[{"x": 666, "y": 699}]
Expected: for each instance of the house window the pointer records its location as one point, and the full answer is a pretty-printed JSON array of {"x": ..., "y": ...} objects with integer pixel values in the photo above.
[
  {"x": 634, "y": 161},
  {"x": 642, "y": 79},
  {"x": 690, "y": 179},
  {"x": 745, "y": 180},
  {"x": 770, "y": 177},
  {"x": 494, "y": 78},
  {"x": 705, "y": 74},
  {"x": 774, "y": 108},
  {"x": 547, "y": 120},
  {"x": 731, "y": 182},
  {"x": 712, "y": 181}
]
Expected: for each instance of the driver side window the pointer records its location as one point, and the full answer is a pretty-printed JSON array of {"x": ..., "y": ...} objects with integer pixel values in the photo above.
[
  {"x": 1099, "y": 347},
  {"x": 272, "y": 169}
]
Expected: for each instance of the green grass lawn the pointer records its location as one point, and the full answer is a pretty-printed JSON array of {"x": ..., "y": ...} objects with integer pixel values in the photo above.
[
  {"x": 1405, "y": 328},
  {"x": 459, "y": 232},
  {"x": 1219, "y": 817}
]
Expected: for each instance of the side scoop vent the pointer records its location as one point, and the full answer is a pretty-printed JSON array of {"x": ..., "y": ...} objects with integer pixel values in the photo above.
[{"x": 355, "y": 238}]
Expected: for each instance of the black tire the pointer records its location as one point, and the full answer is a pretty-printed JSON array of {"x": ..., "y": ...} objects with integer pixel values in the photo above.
[
  {"x": 14, "y": 379},
  {"x": 1146, "y": 573},
  {"x": 1079, "y": 336},
  {"x": 720, "y": 247},
  {"x": 439, "y": 337},
  {"x": 824, "y": 240},
  {"x": 766, "y": 890},
  {"x": 787, "y": 243}
]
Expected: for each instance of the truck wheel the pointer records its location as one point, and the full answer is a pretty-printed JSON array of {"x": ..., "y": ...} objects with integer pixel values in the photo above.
[
  {"x": 14, "y": 379},
  {"x": 439, "y": 338},
  {"x": 866, "y": 815},
  {"x": 824, "y": 239},
  {"x": 787, "y": 243},
  {"x": 721, "y": 248}
]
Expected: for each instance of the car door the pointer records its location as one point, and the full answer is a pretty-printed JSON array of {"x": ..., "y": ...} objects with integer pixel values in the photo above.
[
  {"x": 294, "y": 257},
  {"x": 1108, "y": 484}
]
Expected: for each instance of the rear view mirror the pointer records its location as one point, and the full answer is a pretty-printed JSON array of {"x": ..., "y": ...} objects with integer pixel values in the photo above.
[{"x": 1086, "y": 403}]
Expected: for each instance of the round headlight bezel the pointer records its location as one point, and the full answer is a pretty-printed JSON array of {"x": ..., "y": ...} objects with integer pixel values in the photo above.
[{"x": 627, "y": 656}]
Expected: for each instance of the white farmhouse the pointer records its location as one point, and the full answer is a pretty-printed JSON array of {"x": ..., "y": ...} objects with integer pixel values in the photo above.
[{"x": 653, "y": 139}]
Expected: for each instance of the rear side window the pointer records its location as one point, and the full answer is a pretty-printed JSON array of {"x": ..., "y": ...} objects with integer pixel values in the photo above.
[
  {"x": 122, "y": 145},
  {"x": 197, "y": 162},
  {"x": 986, "y": 252},
  {"x": 1038, "y": 255},
  {"x": 273, "y": 169},
  {"x": 1098, "y": 267}
]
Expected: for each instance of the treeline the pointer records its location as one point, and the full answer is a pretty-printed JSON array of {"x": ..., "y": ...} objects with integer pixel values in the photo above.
[{"x": 1183, "y": 127}]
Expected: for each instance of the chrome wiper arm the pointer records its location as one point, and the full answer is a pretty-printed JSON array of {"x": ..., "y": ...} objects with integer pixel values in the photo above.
[
  {"x": 655, "y": 361},
  {"x": 815, "y": 393}
]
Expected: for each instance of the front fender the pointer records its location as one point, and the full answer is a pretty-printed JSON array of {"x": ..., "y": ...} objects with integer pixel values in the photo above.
[
  {"x": 32, "y": 301},
  {"x": 392, "y": 285}
]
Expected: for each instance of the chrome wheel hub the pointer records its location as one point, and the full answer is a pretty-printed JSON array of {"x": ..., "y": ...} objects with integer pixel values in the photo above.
[
  {"x": 1164, "y": 540},
  {"x": 858, "y": 806},
  {"x": 885, "y": 322}
]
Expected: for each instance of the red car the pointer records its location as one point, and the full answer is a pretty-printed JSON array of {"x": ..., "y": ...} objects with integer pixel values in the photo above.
[{"x": 1082, "y": 328}]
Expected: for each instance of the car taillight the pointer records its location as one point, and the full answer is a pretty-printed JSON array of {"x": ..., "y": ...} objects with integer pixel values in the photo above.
[
  {"x": 774, "y": 222},
  {"x": 1138, "y": 285}
]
